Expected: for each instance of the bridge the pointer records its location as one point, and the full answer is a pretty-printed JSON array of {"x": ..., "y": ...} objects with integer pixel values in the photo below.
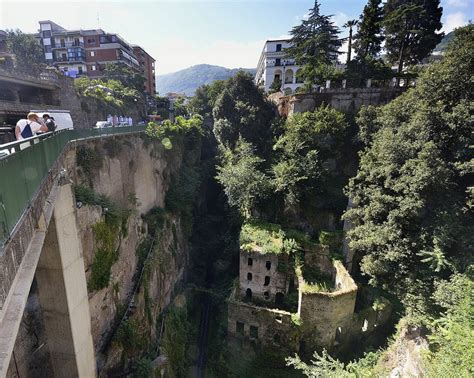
[{"x": 38, "y": 238}]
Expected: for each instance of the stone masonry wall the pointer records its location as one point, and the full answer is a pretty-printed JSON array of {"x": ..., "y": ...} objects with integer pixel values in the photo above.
[
  {"x": 259, "y": 271},
  {"x": 346, "y": 100},
  {"x": 272, "y": 327},
  {"x": 325, "y": 315}
]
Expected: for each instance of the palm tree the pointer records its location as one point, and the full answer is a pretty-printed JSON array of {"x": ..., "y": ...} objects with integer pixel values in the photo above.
[{"x": 350, "y": 24}]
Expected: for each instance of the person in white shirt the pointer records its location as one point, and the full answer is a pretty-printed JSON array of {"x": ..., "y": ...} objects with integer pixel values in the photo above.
[{"x": 26, "y": 128}]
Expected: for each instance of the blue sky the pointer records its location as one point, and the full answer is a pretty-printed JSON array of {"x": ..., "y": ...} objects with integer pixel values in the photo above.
[{"x": 179, "y": 33}]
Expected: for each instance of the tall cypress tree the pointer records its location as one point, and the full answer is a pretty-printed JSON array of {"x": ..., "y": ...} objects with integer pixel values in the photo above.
[
  {"x": 315, "y": 45},
  {"x": 369, "y": 37},
  {"x": 411, "y": 29}
]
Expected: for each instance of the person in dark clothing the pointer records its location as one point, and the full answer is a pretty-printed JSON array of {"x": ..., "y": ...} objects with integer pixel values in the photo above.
[{"x": 49, "y": 122}]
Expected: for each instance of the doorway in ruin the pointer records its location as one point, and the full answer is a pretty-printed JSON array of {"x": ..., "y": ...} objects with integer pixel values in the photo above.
[{"x": 279, "y": 297}]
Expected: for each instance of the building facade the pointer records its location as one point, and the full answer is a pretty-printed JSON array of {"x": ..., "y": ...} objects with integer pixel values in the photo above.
[
  {"x": 147, "y": 66},
  {"x": 86, "y": 52},
  {"x": 275, "y": 65}
]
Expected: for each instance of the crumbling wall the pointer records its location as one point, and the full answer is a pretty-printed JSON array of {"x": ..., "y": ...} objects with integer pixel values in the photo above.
[
  {"x": 324, "y": 315},
  {"x": 259, "y": 272},
  {"x": 270, "y": 326},
  {"x": 348, "y": 100}
]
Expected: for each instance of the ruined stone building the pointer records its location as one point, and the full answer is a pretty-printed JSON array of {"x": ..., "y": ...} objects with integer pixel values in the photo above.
[{"x": 291, "y": 294}]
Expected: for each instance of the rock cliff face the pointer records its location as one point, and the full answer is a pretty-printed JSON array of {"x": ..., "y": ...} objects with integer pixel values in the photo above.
[{"x": 128, "y": 175}]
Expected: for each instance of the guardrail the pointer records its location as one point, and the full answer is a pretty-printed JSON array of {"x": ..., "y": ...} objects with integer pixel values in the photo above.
[{"x": 29, "y": 161}]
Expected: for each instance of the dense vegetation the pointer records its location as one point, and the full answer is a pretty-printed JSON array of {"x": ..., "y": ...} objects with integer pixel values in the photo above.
[
  {"x": 410, "y": 30},
  {"x": 412, "y": 216}
]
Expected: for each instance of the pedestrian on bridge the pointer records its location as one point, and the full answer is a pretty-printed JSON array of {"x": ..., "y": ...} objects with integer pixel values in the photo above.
[{"x": 26, "y": 128}]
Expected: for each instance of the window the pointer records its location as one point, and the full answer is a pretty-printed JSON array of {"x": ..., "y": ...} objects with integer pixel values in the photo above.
[
  {"x": 63, "y": 43},
  {"x": 278, "y": 47},
  {"x": 248, "y": 294},
  {"x": 249, "y": 276},
  {"x": 92, "y": 53},
  {"x": 239, "y": 328},
  {"x": 277, "y": 77},
  {"x": 267, "y": 281},
  {"x": 91, "y": 40},
  {"x": 338, "y": 335},
  {"x": 80, "y": 70},
  {"x": 250, "y": 261},
  {"x": 253, "y": 332},
  {"x": 47, "y": 34},
  {"x": 266, "y": 295},
  {"x": 93, "y": 68},
  {"x": 268, "y": 264},
  {"x": 47, "y": 48},
  {"x": 277, "y": 62}
]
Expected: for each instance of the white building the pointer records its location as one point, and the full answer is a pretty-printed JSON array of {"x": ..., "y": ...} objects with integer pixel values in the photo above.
[{"x": 274, "y": 64}]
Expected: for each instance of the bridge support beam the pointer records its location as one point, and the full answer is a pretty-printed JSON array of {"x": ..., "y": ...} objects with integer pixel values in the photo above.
[{"x": 63, "y": 293}]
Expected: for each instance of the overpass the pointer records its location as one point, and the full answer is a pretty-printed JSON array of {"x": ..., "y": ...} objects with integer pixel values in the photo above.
[{"x": 38, "y": 238}]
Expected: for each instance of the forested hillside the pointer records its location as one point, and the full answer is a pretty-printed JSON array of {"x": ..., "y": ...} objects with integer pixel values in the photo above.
[{"x": 188, "y": 80}]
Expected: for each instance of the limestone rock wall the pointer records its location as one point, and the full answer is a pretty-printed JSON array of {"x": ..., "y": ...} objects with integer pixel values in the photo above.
[{"x": 348, "y": 100}]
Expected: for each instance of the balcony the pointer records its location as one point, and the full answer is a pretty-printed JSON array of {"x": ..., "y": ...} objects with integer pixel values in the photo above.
[{"x": 65, "y": 45}]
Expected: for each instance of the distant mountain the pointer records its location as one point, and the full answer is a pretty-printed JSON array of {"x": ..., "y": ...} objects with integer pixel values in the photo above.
[
  {"x": 189, "y": 79},
  {"x": 444, "y": 42}
]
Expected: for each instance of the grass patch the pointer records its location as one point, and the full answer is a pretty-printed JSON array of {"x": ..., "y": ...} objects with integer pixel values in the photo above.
[
  {"x": 90, "y": 159},
  {"x": 105, "y": 255},
  {"x": 271, "y": 238}
]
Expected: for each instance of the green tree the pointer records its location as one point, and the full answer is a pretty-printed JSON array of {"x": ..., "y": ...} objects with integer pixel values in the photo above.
[
  {"x": 368, "y": 39},
  {"x": 307, "y": 149},
  {"x": 205, "y": 98},
  {"x": 243, "y": 110},
  {"x": 127, "y": 76},
  {"x": 276, "y": 86},
  {"x": 452, "y": 334},
  {"x": 28, "y": 52},
  {"x": 411, "y": 220},
  {"x": 350, "y": 24},
  {"x": 242, "y": 178},
  {"x": 411, "y": 30},
  {"x": 315, "y": 46}
]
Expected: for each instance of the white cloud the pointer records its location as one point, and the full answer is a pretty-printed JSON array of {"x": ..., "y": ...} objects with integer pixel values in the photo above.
[
  {"x": 340, "y": 18},
  {"x": 458, "y": 3},
  {"x": 454, "y": 20}
]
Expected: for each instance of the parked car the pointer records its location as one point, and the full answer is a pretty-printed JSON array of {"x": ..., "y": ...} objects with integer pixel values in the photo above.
[{"x": 102, "y": 124}]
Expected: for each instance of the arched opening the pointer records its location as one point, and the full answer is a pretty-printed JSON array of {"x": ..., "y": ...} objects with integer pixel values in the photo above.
[
  {"x": 289, "y": 76},
  {"x": 248, "y": 294},
  {"x": 276, "y": 338},
  {"x": 249, "y": 276},
  {"x": 266, "y": 295},
  {"x": 268, "y": 265},
  {"x": 250, "y": 261},
  {"x": 279, "y": 297},
  {"x": 277, "y": 75},
  {"x": 267, "y": 281}
]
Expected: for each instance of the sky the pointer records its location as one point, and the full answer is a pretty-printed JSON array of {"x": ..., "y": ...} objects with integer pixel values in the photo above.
[{"x": 183, "y": 33}]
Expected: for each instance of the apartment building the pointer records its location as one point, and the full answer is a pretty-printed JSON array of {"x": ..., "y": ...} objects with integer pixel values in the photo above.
[
  {"x": 275, "y": 65},
  {"x": 147, "y": 65},
  {"x": 86, "y": 52}
]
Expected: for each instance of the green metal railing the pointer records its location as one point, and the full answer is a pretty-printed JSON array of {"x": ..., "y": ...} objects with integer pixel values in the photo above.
[{"x": 22, "y": 172}]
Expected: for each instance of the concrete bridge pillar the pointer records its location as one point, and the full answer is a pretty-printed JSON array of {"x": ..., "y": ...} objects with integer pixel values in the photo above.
[{"x": 63, "y": 293}]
